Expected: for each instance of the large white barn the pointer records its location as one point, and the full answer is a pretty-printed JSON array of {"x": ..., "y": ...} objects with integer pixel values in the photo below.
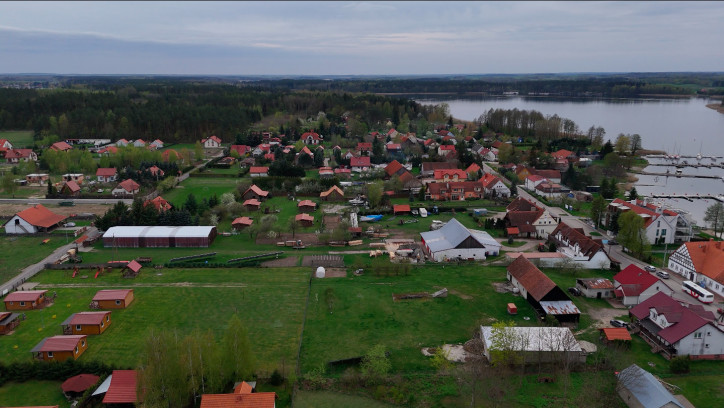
[
  {"x": 455, "y": 241},
  {"x": 33, "y": 220}
]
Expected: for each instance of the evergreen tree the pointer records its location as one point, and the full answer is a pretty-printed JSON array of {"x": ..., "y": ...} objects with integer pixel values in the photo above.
[
  {"x": 607, "y": 148},
  {"x": 633, "y": 195}
]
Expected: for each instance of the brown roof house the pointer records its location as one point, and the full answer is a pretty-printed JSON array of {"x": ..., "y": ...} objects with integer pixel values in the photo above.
[
  {"x": 241, "y": 223},
  {"x": 26, "y": 300},
  {"x": 70, "y": 188},
  {"x": 60, "y": 348},
  {"x": 306, "y": 206},
  {"x": 581, "y": 249},
  {"x": 8, "y": 321},
  {"x": 541, "y": 292},
  {"x": 333, "y": 194},
  {"x": 112, "y": 299},
  {"x": 86, "y": 323},
  {"x": 127, "y": 187},
  {"x": 255, "y": 192},
  {"x": 252, "y": 204},
  {"x": 304, "y": 220}
]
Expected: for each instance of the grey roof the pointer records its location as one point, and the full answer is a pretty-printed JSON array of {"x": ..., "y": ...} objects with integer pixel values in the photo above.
[
  {"x": 646, "y": 388},
  {"x": 452, "y": 234},
  {"x": 559, "y": 307},
  {"x": 158, "y": 231},
  {"x": 103, "y": 388}
]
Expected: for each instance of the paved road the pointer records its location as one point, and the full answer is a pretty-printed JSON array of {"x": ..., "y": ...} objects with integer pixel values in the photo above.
[
  {"x": 32, "y": 270},
  {"x": 57, "y": 200}
]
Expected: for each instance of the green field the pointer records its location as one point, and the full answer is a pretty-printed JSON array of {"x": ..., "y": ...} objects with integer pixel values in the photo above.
[
  {"x": 20, "y": 252},
  {"x": 326, "y": 399},
  {"x": 268, "y": 301},
  {"x": 26, "y": 191},
  {"x": 32, "y": 393},
  {"x": 201, "y": 188},
  {"x": 18, "y": 138}
]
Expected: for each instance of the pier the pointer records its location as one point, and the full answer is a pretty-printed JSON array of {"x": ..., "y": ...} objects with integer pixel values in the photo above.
[
  {"x": 690, "y": 197},
  {"x": 669, "y": 174},
  {"x": 694, "y": 165}
]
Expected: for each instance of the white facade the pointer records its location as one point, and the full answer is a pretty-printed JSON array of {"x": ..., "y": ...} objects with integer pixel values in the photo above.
[
  {"x": 664, "y": 226},
  {"x": 17, "y": 225},
  {"x": 680, "y": 262},
  {"x": 537, "y": 344},
  {"x": 633, "y": 300},
  {"x": 211, "y": 143},
  {"x": 501, "y": 190},
  {"x": 706, "y": 340},
  {"x": 139, "y": 143},
  {"x": 531, "y": 183},
  {"x": 464, "y": 253},
  {"x": 545, "y": 225}
]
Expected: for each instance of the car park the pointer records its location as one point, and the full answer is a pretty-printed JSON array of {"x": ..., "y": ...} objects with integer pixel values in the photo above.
[
  {"x": 662, "y": 274},
  {"x": 574, "y": 291},
  {"x": 618, "y": 323}
]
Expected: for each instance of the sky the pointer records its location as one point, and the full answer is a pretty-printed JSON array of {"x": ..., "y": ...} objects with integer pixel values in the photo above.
[{"x": 359, "y": 38}]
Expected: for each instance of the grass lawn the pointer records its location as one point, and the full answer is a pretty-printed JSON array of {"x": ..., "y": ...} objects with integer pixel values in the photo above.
[
  {"x": 32, "y": 393},
  {"x": 19, "y": 252},
  {"x": 268, "y": 301},
  {"x": 201, "y": 188},
  {"x": 232, "y": 171},
  {"x": 18, "y": 138},
  {"x": 327, "y": 399},
  {"x": 422, "y": 224},
  {"x": 701, "y": 390},
  {"x": 26, "y": 191}
]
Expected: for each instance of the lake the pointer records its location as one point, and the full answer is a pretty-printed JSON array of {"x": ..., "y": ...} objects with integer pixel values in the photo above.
[{"x": 683, "y": 126}]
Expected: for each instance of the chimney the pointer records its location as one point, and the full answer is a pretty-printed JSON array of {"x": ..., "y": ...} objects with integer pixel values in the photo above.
[{"x": 718, "y": 245}]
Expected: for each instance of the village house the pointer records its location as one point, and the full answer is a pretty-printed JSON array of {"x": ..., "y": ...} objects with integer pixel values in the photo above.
[
  {"x": 60, "y": 147},
  {"x": 701, "y": 262},
  {"x": 304, "y": 157},
  {"x": 409, "y": 181},
  {"x": 474, "y": 171},
  {"x": 26, "y": 300},
  {"x": 393, "y": 149},
  {"x": 112, "y": 299},
  {"x": 60, "y": 348},
  {"x": 662, "y": 226},
  {"x": 17, "y": 155},
  {"x": 8, "y": 322},
  {"x": 242, "y": 150},
  {"x": 241, "y": 223},
  {"x": 159, "y": 203},
  {"x": 364, "y": 148},
  {"x": 640, "y": 389},
  {"x": 401, "y": 209},
  {"x": 349, "y": 155},
  {"x": 227, "y": 161},
  {"x": 311, "y": 138},
  {"x": 74, "y": 387},
  {"x": 360, "y": 164},
  {"x": 551, "y": 190},
  {"x": 122, "y": 389},
  {"x": 541, "y": 292},
  {"x": 554, "y": 176},
  {"x": 530, "y": 220},
  {"x": 252, "y": 204},
  {"x": 304, "y": 219},
  {"x": 5, "y": 144},
  {"x": 254, "y": 192},
  {"x": 579, "y": 248},
  {"x": 428, "y": 168},
  {"x": 106, "y": 174},
  {"x": 306, "y": 206},
  {"x": 444, "y": 176},
  {"x": 535, "y": 345},
  {"x": 392, "y": 133},
  {"x": 156, "y": 171},
  {"x": 211, "y": 142},
  {"x": 258, "y": 171},
  {"x": 243, "y": 397},
  {"x": 494, "y": 187},
  {"x": 270, "y": 157},
  {"x": 70, "y": 189},
  {"x": 38, "y": 179},
  {"x": 445, "y": 150},
  {"x": 599, "y": 288},
  {"x": 343, "y": 173},
  {"x": 87, "y": 323},
  {"x": 139, "y": 143},
  {"x": 454, "y": 241},
  {"x": 170, "y": 155},
  {"x": 326, "y": 172},
  {"x": 127, "y": 187},
  {"x": 532, "y": 181},
  {"x": 634, "y": 285},
  {"x": 156, "y": 144},
  {"x": 333, "y": 194},
  {"x": 430, "y": 144},
  {"x": 455, "y": 191},
  {"x": 122, "y": 143},
  {"x": 77, "y": 177},
  {"x": 33, "y": 220},
  {"x": 677, "y": 329}
]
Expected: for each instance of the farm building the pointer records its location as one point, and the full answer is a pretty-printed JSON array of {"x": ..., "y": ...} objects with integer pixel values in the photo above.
[
  {"x": 252, "y": 204},
  {"x": 613, "y": 335},
  {"x": 640, "y": 389},
  {"x": 33, "y": 220},
  {"x": 541, "y": 292},
  {"x": 333, "y": 194},
  {"x": 122, "y": 387},
  {"x": 304, "y": 220},
  {"x": 40, "y": 179},
  {"x": 159, "y": 237},
  {"x": 258, "y": 171},
  {"x": 26, "y": 300},
  {"x": 306, "y": 206},
  {"x": 537, "y": 344},
  {"x": 8, "y": 321},
  {"x": 86, "y": 323},
  {"x": 241, "y": 223},
  {"x": 455, "y": 241},
  {"x": 595, "y": 287},
  {"x": 255, "y": 192},
  {"x": 75, "y": 386},
  {"x": 60, "y": 348},
  {"x": 112, "y": 299}
]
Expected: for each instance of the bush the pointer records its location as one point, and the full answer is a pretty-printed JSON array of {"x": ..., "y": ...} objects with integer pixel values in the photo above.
[
  {"x": 276, "y": 378},
  {"x": 679, "y": 365}
]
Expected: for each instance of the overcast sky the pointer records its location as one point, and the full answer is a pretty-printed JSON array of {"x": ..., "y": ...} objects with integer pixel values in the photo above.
[{"x": 360, "y": 38}]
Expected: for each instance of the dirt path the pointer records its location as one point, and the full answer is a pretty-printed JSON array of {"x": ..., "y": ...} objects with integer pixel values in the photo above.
[{"x": 602, "y": 318}]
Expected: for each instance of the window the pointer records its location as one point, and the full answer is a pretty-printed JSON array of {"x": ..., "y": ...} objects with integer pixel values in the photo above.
[
  {"x": 50, "y": 354},
  {"x": 76, "y": 349},
  {"x": 82, "y": 343},
  {"x": 118, "y": 302},
  {"x": 697, "y": 335},
  {"x": 77, "y": 327},
  {"x": 22, "y": 303}
]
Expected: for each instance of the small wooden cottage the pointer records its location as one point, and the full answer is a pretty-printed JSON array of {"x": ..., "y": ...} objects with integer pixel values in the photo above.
[
  {"x": 304, "y": 220},
  {"x": 241, "y": 223},
  {"x": 333, "y": 194},
  {"x": 86, "y": 323},
  {"x": 26, "y": 300},
  {"x": 254, "y": 192},
  {"x": 60, "y": 348},
  {"x": 8, "y": 322},
  {"x": 252, "y": 204},
  {"x": 112, "y": 299},
  {"x": 306, "y": 206}
]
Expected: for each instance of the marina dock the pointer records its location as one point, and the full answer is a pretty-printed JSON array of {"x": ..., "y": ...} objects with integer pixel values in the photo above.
[{"x": 690, "y": 197}]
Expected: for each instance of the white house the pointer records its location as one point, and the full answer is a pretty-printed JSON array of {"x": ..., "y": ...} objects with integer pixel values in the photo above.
[
  {"x": 634, "y": 285},
  {"x": 533, "y": 180},
  {"x": 360, "y": 164},
  {"x": 455, "y": 241},
  {"x": 213, "y": 141},
  {"x": 661, "y": 225},
  {"x": 106, "y": 174},
  {"x": 678, "y": 329},
  {"x": 494, "y": 186},
  {"x": 701, "y": 262},
  {"x": 156, "y": 144},
  {"x": 33, "y": 220},
  {"x": 125, "y": 188},
  {"x": 535, "y": 344},
  {"x": 579, "y": 248},
  {"x": 18, "y": 155},
  {"x": 139, "y": 143},
  {"x": 5, "y": 144},
  {"x": 122, "y": 143}
]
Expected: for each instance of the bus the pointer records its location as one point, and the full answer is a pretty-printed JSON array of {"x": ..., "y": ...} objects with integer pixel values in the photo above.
[{"x": 701, "y": 294}]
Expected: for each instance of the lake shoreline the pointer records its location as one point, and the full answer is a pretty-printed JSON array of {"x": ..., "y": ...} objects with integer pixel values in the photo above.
[{"x": 717, "y": 107}]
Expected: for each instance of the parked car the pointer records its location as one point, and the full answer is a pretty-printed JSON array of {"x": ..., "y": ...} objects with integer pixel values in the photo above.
[
  {"x": 618, "y": 323},
  {"x": 575, "y": 291},
  {"x": 612, "y": 242},
  {"x": 649, "y": 268},
  {"x": 69, "y": 224},
  {"x": 662, "y": 274}
]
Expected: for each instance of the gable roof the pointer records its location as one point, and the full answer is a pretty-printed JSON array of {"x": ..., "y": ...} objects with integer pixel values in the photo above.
[
  {"x": 256, "y": 190},
  {"x": 252, "y": 201},
  {"x": 112, "y": 294},
  {"x": 473, "y": 168},
  {"x": 549, "y": 174},
  {"x": 452, "y": 234},
  {"x": 683, "y": 320},
  {"x": 40, "y": 216},
  {"x": 523, "y": 220},
  {"x": 79, "y": 383},
  {"x": 255, "y": 400},
  {"x": 708, "y": 258},
  {"x": 242, "y": 221},
  {"x": 82, "y": 318},
  {"x": 24, "y": 296},
  {"x": 106, "y": 171},
  {"x": 214, "y": 138},
  {"x": 362, "y": 161},
  {"x": 441, "y": 173},
  {"x": 58, "y": 343},
  {"x": 258, "y": 170},
  {"x": 313, "y": 135},
  {"x": 393, "y": 168},
  {"x": 62, "y": 146},
  {"x": 432, "y": 166},
  {"x": 122, "y": 389},
  {"x": 489, "y": 180},
  {"x": 129, "y": 185},
  {"x": 159, "y": 203},
  {"x": 561, "y": 154},
  {"x": 521, "y": 204},
  {"x": 72, "y": 186},
  {"x": 646, "y": 388},
  {"x": 331, "y": 190},
  {"x": 18, "y": 153},
  {"x": 635, "y": 280},
  {"x": 535, "y": 282},
  {"x": 303, "y": 217},
  {"x": 587, "y": 246},
  {"x": 307, "y": 203},
  {"x": 467, "y": 186},
  {"x": 616, "y": 333}
]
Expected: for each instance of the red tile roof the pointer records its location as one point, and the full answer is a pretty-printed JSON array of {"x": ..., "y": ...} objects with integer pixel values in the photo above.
[
  {"x": 58, "y": 343},
  {"x": 393, "y": 146},
  {"x": 331, "y": 190},
  {"x": 708, "y": 259},
  {"x": 243, "y": 388},
  {"x": 535, "y": 177},
  {"x": 473, "y": 168},
  {"x": 40, "y": 216},
  {"x": 129, "y": 185},
  {"x": 447, "y": 147},
  {"x": 535, "y": 282},
  {"x": 684, "y": 320},
  {"x": 616, "y": 333},
  {"x": 313, "y": 135},
  {"x": 303, "y": 217},
  {"x": 512, "y": 231},
  {"x": 159, "y": 203},
  {"x": 79, "y": 383},
  {"x": 72, "y": 186},
  {"x": 255, "y": 400},
  {"x": 561, "y": 154},
  {"x": 61, "y": 146},
  {"x": 122, "y": 389},
  {"x": 450, "y": 173},
  {"x": 91, "y": 318},
  {"x": 134, "y": 266},
  {"x": 258, "y": 170},
  {"x": 112, "y": 294},
  {"x": 18, "y": 153},
  {"x": 307, "y": 203},
  {"x": 432, "y": 166},
  {"x": 252, "y": 201},
  {"x": 363, "y": 161},
  {"x": 489, "y": 180},
  {"x": 637, "y": 280},
  {"x": 24, "y": 296},
  {"x": 258, "y": 191},
  {"x": 393, "y": 167},
  {"x": 521, "y": 204},
  {"x": 549, "y": 174},
  {"x": 106, "y": 171},
  {"x": 241, "y": 149},
  {"x": 364, "y": 146},
  {"x": 242, "y": 221},
  {"x": 398, "y": 208}
]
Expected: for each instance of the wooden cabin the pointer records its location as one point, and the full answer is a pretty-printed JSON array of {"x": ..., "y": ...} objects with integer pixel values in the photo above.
[
  {"x": 306, "y": 206},
  {"x": 304, "y": 220},
  {"x": 60, "y": 348},
  {"x": 241, "y": 223},
  {"x": 8, "y": 322},
  {"x": 87, "y": 323},
  {"x": 112, "y": 299},
  {"x": 26, "y": 300},
  {"x": 333, "y": 194},
  {"x": 252, "y": 204}
]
